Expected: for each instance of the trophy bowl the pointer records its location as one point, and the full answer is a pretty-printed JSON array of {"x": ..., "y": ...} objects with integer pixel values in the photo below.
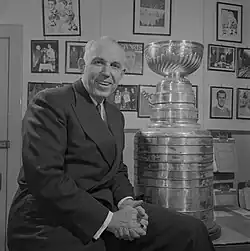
[{"x": 174, "y": 56}]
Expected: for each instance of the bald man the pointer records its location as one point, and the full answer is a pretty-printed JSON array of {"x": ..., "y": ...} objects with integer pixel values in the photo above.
[{"x": 74, "y": 193}]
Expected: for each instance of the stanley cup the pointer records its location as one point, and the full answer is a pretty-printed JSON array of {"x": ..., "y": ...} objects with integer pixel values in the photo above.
[{"x": 173, "y": 156}]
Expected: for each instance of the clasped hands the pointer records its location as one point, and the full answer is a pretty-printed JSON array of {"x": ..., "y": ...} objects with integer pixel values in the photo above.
[{"x": 130, "y": 221}]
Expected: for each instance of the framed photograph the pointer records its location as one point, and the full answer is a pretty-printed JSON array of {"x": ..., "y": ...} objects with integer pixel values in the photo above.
[
  {"x": 145, "y": 100},
  {"x": 152, "y": 17},
  {"x": 195, "y": 90},
  {"x": 221, "y": 58},
  {"x": 35, "y": 87},
  {"x": 61, "y": 18},
  {"x": 243, "y": 63},
  {"x": 229, "y": 22},
  {"x": 44, "y": 56},
  {"x": 243, "y": 103},
  {"x": 74, "y": 57},
  {"x": 221, "y": 102},
  {"x": 125, "y": 98},
  {"x": 135, "y": 57}
]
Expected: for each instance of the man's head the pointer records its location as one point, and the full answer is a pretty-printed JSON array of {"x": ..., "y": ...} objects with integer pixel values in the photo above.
[
  {"x": 105, "y": 64},
  {"x": 221, "y": 98},
  {"x": 130, "y": 59}
]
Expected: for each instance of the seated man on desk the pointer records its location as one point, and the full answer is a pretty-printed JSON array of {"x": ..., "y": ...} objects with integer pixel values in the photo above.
[{"x": 74, "y": 193}]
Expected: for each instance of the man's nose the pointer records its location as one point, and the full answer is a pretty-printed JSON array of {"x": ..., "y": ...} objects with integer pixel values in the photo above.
[{"x": 106, "y": 71}]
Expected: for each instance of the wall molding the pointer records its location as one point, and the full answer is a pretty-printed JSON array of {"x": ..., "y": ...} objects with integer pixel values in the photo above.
[{"x": 235, "y": 132}]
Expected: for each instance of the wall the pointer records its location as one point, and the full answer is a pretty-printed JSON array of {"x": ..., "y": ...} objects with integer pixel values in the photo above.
[
  {"x": 218, "y": 78},
  {"x": 191, "y": 20}
]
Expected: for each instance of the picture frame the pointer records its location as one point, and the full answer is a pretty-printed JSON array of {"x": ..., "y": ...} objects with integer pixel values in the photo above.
[
  {"x": 243, "y": 103},
  {"x": 221, "y": 58},
  {"x": 152, "y": 17},
  {"x": 195, "y": 90},
  {"x": 61, "y": 18},
  {"x": 229, "y": 18},
  {"x": 221, "y": 102},
  {"x": 145, "y": 100},
  {"x": 243, "y": 63},
  {"x": 125, "y": 98},
  {"x": 35, "y": 87},
  {"x": 44, "y": 56},
  {"x": 74, "y": 57},
  {"x": 135, "y": 57}
]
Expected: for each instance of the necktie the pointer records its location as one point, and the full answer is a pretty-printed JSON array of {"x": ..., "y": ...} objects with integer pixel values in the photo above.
[
  {"x": 99, "y": 109},
  {"x": 102, "y": 114}
]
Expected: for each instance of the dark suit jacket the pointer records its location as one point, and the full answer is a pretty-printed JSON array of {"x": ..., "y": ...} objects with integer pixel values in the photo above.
[{"x": 73, "y": 170}]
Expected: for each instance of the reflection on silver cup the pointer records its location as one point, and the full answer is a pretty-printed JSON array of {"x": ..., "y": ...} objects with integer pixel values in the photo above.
[{"x": 173, "y": 156}]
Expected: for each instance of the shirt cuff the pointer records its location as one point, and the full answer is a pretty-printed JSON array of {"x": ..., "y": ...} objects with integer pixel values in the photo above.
[
  {"x": 122, "y": 200},
  {"x": 104, "y": 226}
]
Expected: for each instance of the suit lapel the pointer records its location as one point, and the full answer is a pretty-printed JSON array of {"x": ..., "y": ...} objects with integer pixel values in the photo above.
[
  {"x": 114, "y": 124},
  {"x": 92, "y": 123}
]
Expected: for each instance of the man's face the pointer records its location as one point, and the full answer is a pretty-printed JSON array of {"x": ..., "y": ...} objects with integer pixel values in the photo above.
[
  {"x": 221, "y": 99},
  {"x": 104, "y": 69},
  {"x": 130, "y": 55},
  {"x": 51, "y": 5}
]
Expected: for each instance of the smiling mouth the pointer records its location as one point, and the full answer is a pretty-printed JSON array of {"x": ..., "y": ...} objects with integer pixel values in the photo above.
[{"x": 104, "y": 83}]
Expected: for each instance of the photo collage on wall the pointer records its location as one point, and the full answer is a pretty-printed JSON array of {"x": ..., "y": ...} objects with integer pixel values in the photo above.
[
  {"x": 63, "y": 19},
  {"x": 226, "y": 58}
]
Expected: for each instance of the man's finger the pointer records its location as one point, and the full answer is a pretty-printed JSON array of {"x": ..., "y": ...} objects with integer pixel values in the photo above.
[
  {"x": 137, "y": 203},
  {"x": 142, "y": 212},
  {"x": 144, "y": 222},
  {"x": 134, "y": 234}
]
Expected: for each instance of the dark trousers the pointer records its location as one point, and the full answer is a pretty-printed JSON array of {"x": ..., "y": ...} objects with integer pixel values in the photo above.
[{"x": 167, "y": 231}]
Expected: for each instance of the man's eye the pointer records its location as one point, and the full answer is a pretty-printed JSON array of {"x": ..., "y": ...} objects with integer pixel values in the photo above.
[
  {"x": 98, "y": 62},
  {"x": 116, "y": 66}
]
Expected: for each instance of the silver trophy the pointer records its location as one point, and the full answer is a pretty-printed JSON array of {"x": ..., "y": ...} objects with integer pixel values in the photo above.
[{"x": 173, "y": 156}]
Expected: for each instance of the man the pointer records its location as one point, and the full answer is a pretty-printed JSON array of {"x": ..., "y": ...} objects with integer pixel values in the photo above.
[
  {"x": 220, "y": 110},
  {"x": 73, "y": 176}
]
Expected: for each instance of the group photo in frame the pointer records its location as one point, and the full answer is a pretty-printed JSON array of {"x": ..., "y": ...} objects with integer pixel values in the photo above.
[
  {"x": 243, "y": 63},
  {"x": 152, "y": 17},
  {"x": 229, "y": 22},
  {"x": 145, "y": 100},
  {"x": 135, "y": 57},
  {"x": 243, "y": 103},
  {"x": 61, "y": 18},
  {"x": 221, "y": 58},
  {"x": 195, "y": 90},
  {"x": 221, "y": 102},
  {"x": 125, "y": 98},
  {"x": 44, "y": 56},
  {"x": 35, "y": 87},
  {"x": 74, "y": 57}
]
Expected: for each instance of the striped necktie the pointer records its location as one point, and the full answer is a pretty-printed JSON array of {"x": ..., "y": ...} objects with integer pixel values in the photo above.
[{"x": 102, "y": 114}]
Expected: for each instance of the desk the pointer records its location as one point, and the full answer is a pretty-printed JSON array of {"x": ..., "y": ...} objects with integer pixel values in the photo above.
[{"x": 235, "y": 230}]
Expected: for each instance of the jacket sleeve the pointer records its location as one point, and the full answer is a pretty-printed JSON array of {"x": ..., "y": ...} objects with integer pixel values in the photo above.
[
  {"x": 121, "y": 185},
  {"x": 43, "y": 150}
]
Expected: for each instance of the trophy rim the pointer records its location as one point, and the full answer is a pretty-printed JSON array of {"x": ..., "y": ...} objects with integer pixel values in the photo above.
[{"x": 161, "y": 42}]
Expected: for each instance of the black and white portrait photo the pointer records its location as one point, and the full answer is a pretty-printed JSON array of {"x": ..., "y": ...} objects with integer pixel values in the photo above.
[
  {"x": 74, "y": 57},
  {"x": 61, "y": 17},
  {"x": 35, "y": 87},
  {"x": 125, "y": 97},
  {"x": 44, "y": 56},
  {"x": 146, "y": 100},
  {"x": 243, "y": 103},
  {"x": 135, "y": 56},
  {"x": 221, "y": 58},
  {"x": 243, "y": 63},
  {"x": 221, "y": 102},
  {"x": 229, "y": 22},
  {"x": 152, "y": 17}
]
